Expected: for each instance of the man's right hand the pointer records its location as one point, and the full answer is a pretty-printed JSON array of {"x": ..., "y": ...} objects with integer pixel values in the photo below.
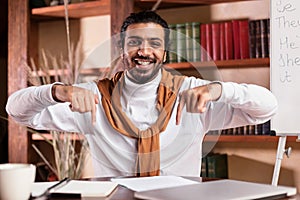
[{"x": 82, "y": 100}]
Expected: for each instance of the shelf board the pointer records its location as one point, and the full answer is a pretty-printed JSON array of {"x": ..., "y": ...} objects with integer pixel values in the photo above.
[
  {"x": 165, "y": 4},
  {"x": 248, "y": 63},
  {"x": 102, "y": 7},
  {"x": 62, "y": 72},
  {"x": 245, "y": 138},
  {"x": 76, "y": 10},
  {"x": 207, "y": 138},
  {"x": 48, "y": 136}
]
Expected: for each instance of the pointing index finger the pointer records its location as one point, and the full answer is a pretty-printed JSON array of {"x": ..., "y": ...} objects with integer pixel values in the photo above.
[
  {"x": 179, "y": 109},
  {"x": 93, "y": 111}
]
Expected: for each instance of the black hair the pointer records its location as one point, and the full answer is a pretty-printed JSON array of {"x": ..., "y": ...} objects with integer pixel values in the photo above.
[{"x": 145, "y": 17}]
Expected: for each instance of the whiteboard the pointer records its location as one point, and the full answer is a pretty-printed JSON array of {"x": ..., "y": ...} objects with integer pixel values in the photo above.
[{"x": 285, "y": 65}]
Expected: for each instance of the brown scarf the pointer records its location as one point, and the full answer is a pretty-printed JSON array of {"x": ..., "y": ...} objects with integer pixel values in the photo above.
[{"x": 148, "y": 157}]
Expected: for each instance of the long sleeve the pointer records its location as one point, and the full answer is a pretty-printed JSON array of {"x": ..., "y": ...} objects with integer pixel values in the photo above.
[
  {"x": 238, "y": 105},
  {"x": 241, "y": 104},
  {"x": 35, "y": 107}
]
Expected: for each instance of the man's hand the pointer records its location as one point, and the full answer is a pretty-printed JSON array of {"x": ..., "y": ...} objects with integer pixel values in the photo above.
[
  {"x": 82, "y": 100},
  {"x": 196, "y": 99}
]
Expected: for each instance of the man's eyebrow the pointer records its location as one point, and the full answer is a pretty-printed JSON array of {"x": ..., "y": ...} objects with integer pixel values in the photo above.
[
  {"x": 156, "y": 39},
  {"x": 134, "y": 37},
  {"x": 137, "y": 37}
]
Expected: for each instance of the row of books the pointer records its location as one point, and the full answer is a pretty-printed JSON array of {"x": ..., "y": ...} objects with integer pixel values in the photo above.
[
  {"x": 234, "y": 39},
  {"x": 214, "y": 166},
  {"x": 259, "y": 129}
]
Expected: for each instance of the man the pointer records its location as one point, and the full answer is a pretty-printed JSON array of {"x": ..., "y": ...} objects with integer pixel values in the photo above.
[{"x": 144, "y": 121}]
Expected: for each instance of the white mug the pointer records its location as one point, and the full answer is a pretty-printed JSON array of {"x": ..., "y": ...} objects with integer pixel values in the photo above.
[{"x": 16, "y": 180}]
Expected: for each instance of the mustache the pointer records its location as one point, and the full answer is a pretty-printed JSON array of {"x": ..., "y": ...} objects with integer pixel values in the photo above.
[{"x": 146, "y": 58}]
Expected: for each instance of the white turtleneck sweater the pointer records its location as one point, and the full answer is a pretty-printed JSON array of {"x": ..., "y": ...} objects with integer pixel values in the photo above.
[
  {"x": 180, "y": 145},
  {"x": 136, "y": 96}
]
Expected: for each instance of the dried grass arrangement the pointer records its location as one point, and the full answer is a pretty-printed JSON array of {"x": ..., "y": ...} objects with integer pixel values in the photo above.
[{"x": 69, "y": 156}]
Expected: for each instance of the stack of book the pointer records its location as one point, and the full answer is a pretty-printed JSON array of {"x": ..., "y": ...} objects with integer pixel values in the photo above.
[
  {"x": 226, "y": 40},
  {"x": 214, "y": 166},
  {"x": 259, "y": 129}
]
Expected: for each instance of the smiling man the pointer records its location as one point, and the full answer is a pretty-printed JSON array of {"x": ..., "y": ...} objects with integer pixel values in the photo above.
[
  {"x": 144, "y": 51},
  {"x": 144, "y": 121}
]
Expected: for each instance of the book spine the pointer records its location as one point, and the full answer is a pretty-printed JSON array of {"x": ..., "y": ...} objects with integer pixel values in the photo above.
[
  {"x": 252, "y": 39},
  {"x": 203, "y": 42},
  {"x": 196, "y": 41},
  {"x": 236, "y": 39},
  {"x": 222, "y": 42},
  {"x": 215, "y": 34},
  {"x": 228, "y": 40},
  {"x": 217, "y": 166},
  {"x": 203, "y": 172},
  {"x": 189, "y": 42},
  {"x": 268, "y": 35},
  {"x": 264, "y": 38},
  {"x": 172, "y": 52},
  {"x": 258, "y": 50},
  {"x": 181, "y": 42},
  {"x": 244, "y": 38},
  {"x": 209, "y": 47}
]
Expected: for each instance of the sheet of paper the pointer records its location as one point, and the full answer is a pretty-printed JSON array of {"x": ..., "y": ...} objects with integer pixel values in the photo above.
[
  {"x": 153, "y": 182},
  {"x": 85, "y": 188}
]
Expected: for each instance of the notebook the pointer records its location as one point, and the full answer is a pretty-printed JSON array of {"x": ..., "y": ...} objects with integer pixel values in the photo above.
[
  {"x": 83, "y": 188},
  {"x": 219, "y": 190}
]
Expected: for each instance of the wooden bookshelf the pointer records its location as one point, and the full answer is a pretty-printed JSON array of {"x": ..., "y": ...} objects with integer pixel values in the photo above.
[{"x": 25, "y": 44}]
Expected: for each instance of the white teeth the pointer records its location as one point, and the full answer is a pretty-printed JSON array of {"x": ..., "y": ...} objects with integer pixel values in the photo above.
[{"x": 143, "y": 62}]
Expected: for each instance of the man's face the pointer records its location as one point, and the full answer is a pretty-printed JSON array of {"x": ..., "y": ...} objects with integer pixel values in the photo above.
[{"x": 144, "y": 51}]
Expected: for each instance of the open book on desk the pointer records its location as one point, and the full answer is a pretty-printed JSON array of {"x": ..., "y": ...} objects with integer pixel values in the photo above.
[
  {"x": 139, "y": 184},
  {"x": 79, "y": 187}
]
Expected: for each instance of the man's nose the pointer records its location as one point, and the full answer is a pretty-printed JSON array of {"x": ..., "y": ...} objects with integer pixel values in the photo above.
[{"x": 145, "y": 49}]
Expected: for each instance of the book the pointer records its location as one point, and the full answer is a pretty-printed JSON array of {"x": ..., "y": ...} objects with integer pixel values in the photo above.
[
  {"x": 222, "y": 42},
  {"x": 203, "y": 172},
  {"x": 216, "y": 166},
  {"x": 189, "y": 42},
  {"x": 196, "y": 41},
  {"x": 181, "y": 42},
  {"x": 244, "y": 38},
  {"x": 258, "y": 50},
  {"x": 203, "y": 42},
  {"x": 79, "y": 187},
  {"x": 236, "y": 39},
  {"x": 172, "y": 51},
  {"x": 228, "y": 40},
  {"x": 264, "y": 38},
  {"x": 215, "y": 34},
  {"x": 252, "y": 39},
  {"x": 208, "y": 36}
]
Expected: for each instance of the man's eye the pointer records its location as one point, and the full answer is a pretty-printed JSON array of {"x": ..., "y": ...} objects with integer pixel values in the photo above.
[
  {"x": 156, "y": 44},
  {"x": 134, "y": 42}
]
